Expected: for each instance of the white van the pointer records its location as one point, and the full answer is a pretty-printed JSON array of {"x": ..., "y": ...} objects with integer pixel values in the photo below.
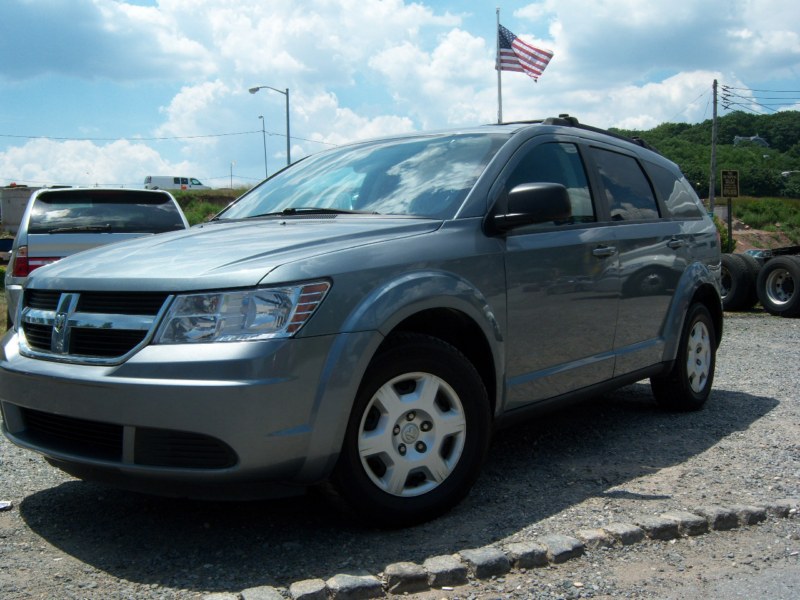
[{"x": 168, "y": 182}]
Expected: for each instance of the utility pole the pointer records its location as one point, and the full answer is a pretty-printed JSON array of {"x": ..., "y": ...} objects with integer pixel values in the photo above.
[
  {"x": 264, "y": 139},
  {"x": 712, "y": 179}
]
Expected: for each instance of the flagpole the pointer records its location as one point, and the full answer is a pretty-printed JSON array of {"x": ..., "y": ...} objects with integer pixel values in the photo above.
[{"x": 497, "y": 66}]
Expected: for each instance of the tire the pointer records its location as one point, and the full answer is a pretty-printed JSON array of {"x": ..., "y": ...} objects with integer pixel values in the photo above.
[
  {"x": 417, "y": 435},
  {"x": 736, "y": 282},
  {"x": 688, "y": 385},
  {"x": 753, "y": 267},
  {"x": 777, "y": 286}
]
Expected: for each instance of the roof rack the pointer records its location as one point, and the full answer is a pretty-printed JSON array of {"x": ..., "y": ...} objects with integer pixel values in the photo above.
[
  {"x": 568, "y": 121},
  {"x": 565, "y": 120}
]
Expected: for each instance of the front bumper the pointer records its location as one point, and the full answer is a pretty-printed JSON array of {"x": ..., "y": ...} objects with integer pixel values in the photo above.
[{"x": 183, "y": 419}]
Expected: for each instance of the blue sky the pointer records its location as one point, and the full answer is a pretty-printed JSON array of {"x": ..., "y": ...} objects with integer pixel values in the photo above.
[{"x": 105, "y": 92}]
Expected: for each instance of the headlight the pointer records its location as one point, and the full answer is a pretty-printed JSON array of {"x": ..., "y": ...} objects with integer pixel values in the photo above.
[{"x": 237, "y": 316}]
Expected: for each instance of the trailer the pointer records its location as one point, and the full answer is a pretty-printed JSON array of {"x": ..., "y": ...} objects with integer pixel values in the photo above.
[{"x": 770, "y": 277}]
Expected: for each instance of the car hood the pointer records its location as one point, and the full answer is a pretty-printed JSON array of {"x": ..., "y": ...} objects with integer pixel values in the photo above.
[{"x": 212, "y": 255}]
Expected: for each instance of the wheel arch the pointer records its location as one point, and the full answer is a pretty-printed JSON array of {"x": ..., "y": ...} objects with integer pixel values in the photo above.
[
  {"x": 444, "y": 305},
  {"x": 463, "y": 333},
  {"x": 697, "y": 284}
]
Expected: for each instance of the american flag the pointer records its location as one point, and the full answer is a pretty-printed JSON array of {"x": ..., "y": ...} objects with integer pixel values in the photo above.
[{"x": 516, "y": 55}]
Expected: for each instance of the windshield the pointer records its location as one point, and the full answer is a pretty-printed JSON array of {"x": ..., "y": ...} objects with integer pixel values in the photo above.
[
  {"x": 117, "y": 211},
  {"x": 421, "y": 176}
]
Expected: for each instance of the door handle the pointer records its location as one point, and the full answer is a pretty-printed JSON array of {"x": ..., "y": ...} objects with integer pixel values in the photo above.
[
  {"x": 675, "y": 243},
  {"x": 604, "y": 251}
]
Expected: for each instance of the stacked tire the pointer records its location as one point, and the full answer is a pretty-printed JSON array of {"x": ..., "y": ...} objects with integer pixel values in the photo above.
[
  {"x": 739, "y": 278},
  {"x": 745, "y": 281}
]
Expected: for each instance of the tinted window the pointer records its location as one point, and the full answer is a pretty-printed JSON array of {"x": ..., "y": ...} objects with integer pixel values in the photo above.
[
  {"x": 79, "y": 211},
  {"x": 557, "y": 163},
  {"x": 677, "y": 194},
  {"x": 627, "y": 190},
  {"x": 426, "y": 176}
]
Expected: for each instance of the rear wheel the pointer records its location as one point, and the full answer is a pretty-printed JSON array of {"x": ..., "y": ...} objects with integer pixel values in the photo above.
[
  {"x": 688, "y": 385},
  {"x": 417, "y": 435},
  {"x": 777, "y": 286}
]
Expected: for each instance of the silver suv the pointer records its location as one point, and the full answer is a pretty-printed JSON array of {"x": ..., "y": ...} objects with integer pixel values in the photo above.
[
  {"x": 59, "y": 222},
  {"x": 370, "y": 315}
]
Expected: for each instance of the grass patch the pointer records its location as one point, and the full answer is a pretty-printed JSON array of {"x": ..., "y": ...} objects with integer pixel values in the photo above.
[
  {"x": 200, "y": 206},
  {"x": 770, "y": 214}
]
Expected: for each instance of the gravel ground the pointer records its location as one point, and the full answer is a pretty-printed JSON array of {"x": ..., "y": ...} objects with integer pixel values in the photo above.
[{"x": 614, "y": 460}]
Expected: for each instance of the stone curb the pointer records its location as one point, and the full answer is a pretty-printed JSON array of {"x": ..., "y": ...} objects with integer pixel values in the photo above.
[{"x": 448, "y": 571}]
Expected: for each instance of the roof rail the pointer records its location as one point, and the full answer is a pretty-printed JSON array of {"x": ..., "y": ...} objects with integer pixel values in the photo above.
[{"x": 565, "y": 120}]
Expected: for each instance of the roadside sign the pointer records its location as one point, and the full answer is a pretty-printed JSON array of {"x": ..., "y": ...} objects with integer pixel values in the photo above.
[{"x": 730, "y": 184}]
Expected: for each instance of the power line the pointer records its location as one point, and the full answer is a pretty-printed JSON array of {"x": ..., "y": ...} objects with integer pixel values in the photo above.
[
  {"x": 731, "y": 97},
  {"x": 763, "y": 91},
  {"x": 689, "y": 106}
]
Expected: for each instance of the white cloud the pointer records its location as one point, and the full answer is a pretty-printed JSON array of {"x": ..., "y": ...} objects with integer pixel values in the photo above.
[
  {"x": 362, "y": 68},
  {"x": 42, "y": 161}
]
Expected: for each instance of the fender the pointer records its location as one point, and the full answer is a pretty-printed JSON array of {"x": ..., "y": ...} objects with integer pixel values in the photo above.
[
  {"x": 363, "y": 331},
  {"x": 696, "y": 277},
  {"x": 396, "y": 300}
]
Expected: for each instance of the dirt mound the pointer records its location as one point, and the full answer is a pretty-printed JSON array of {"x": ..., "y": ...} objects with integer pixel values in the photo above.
[{"x": 757, "y": 239}]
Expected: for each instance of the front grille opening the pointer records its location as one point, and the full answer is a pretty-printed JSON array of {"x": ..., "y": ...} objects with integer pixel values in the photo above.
[
  {"x": 180, "y": 449},
  {"x": 104, "y": 441},
  {"x": 104, "y": 343},
  {"x": 121, "y": 303},
  {"x": 38, "y": 336},
  {"x": 41, "y": 299},
  {"x": 73, "y": 436}
]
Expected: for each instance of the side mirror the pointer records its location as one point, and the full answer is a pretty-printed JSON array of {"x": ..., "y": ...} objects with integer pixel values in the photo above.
[{"x": 531, "y": 203}]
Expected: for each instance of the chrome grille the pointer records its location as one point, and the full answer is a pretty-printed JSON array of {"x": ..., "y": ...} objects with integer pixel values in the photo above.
[{"x": 87, "y": 327}]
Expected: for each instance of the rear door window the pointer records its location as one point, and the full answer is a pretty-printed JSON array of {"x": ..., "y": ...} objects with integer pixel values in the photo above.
[
  {"x": 676, "y": 193},
  {"x": 81, "y": 211},
  {"x": 627, "y": 190}
]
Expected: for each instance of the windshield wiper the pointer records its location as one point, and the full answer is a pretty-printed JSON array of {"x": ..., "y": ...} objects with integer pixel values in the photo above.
[
  {"x": 80, "y": 229},
  {"x": 313, "y": 210}
]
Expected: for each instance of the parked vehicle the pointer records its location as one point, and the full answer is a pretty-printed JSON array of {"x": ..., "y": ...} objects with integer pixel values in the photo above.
[
  {"x": 58, "y": 222},
  {"x": 171, "y": 182},
  {"x": 767, "y": 276},
  {"x": 369, "y": 315}
]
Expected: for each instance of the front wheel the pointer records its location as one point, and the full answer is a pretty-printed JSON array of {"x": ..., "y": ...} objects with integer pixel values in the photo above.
[
  {"x": 417, "y": 435},
  {"x": 688, "y": 385}
]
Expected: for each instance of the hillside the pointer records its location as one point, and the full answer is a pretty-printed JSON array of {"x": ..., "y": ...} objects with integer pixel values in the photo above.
[{"x": 764, "y": 170}]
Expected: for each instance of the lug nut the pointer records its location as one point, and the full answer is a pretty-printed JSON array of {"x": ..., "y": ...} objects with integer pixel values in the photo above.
[
  {"x": 411, "y": 416},
  {"x": 402, "y": 449},
  {"x": 421, "y": 447},
  {"x": 396, "y": 430},
  {"x": 426, "y": 426}
]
